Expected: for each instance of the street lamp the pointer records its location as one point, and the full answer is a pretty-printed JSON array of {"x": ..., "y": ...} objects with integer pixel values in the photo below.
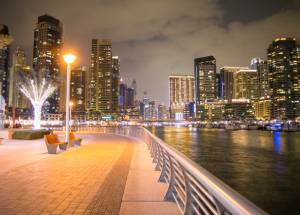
[
  {"x": 69, "y": 59},
  {"x": 71, "y": 105}
]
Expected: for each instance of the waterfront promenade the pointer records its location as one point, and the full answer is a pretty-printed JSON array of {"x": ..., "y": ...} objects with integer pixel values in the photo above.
[{"x": 109, "y": 174}]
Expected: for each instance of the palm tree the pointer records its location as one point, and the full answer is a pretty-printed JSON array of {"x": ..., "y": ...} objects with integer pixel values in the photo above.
[{"x": 37, "y": 89}]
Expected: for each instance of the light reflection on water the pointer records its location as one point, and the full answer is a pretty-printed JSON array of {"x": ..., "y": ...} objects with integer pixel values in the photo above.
[{"x": 263, "y": 166}]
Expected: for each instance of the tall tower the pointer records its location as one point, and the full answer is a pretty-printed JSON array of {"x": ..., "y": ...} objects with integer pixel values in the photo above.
[
  {"x": 103, "y": 78},
  {"x": 227, "y": 77},
  {"x": 47, "y": 48},
  {"x": 16, "y": 98},
  {"x": 284, "y": 71},
  {"x": 205, "y": 79},
  {"x": 246, "y": 84},
  {"x": 262, "y": 76},
  {"x": 4, "y": 61},
  {"x": 115, "y": 83},
  {"x": 77, "y": 92},
  {"x": 181, "y": 92}
]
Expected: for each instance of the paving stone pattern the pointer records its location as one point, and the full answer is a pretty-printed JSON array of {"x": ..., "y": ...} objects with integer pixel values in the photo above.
[{"x": 86, "y": 180}]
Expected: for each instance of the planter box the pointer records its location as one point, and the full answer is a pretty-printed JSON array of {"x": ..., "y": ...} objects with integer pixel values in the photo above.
[{"x": 29, "y": 134}]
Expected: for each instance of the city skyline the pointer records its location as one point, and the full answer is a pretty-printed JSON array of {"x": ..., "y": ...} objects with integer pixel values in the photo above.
[{"x": 162, "y": 44}]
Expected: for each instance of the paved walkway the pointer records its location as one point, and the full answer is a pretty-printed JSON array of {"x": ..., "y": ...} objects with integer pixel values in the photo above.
[{"x": 109, "y": 174}]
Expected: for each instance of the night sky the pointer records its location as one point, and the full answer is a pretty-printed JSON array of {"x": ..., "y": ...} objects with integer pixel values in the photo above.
[{"x": 157, "y": 38}]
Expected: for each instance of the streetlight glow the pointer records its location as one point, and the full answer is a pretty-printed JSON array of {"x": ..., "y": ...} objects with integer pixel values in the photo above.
[{"x": 69, "y": 58}]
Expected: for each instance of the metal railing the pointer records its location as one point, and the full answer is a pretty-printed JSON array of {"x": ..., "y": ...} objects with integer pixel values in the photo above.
[{"x": 194, "y": 189}]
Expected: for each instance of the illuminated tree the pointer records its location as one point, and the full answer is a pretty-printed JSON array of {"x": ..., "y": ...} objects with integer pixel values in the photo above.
[{"x": 37, "y": 89}]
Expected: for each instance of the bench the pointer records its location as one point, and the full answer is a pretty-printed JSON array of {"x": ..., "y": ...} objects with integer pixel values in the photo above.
[
  {"x": 74, "y": 140},
  {"x": 52, "y": 142}
]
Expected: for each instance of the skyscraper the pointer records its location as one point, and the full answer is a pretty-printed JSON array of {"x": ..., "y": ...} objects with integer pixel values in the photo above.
[
  {"x": 4, "y": 61},
  {"x": 262, "y": 76},
  {"x": 78, "y": 87},
  {"x": 205, "y": 78},
  {"x": 47, "y": 48},
  {"x": 284, "y": 71},
  {"x": 134, "y": 86},
  {"x": 16, "y": 98},
  {"x": 227, "y": 76},
  {"x": 115, "y": 84},
  {"x": 103, "y": 78},
  {"x": 246, "y": 84},
  {"x": 181, "y": 89}
]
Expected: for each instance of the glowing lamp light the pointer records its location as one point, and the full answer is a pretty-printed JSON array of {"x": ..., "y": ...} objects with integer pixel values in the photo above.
[
  {"x": 71, "y": 104},
  {"x": 69, "y": 58}
]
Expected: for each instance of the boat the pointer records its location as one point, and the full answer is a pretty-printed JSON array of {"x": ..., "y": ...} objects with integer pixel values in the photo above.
[
  {"x": 232, "y": 127},
  {"x": 274, "y": 127},
  {"x": 252, "y": 127}
]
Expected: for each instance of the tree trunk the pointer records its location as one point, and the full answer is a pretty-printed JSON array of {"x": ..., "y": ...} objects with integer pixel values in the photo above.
[{"x": 37, "y": 116}]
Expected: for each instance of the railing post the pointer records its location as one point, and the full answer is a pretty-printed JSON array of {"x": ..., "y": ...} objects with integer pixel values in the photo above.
[
  {"x": 188, "y": 192},
  {"x": 159, "y": 157},
  {"x": 163, "y": 175},
  {"x": 169, "y": 196}
]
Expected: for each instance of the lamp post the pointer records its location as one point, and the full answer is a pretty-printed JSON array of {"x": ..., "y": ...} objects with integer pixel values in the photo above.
[
  {"x": 69, "y": 59},
  {"x": 71, "y": 105}
]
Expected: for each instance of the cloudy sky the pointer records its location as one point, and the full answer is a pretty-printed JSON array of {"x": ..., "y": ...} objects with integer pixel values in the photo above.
[{"x": 157, "y": 38}]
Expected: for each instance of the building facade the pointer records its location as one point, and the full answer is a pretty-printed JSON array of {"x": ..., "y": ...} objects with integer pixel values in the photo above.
[
  {"x": 246, "y": 84},
  {"x": 262, "y": 76},
  {"x": 47, "y": 48},
  {"x": 78, "y": 89},
  {"x": 181, "y": 92},
  {"x": 4, "y": 61},
  {"x": 205, "y": 79},
  {"x": 227, "y": 77},
  {"x": 103, "y": 78},
  {"x": 284, "y": 73},
  {"x": 16, "y": 98}
]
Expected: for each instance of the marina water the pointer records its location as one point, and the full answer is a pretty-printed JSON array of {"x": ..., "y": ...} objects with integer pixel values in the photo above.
[{"x": 263, "y": 166}]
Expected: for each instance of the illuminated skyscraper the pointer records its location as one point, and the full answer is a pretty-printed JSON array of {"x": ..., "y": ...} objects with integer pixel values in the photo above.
[
  {"x": 47, "y": 48},
  {"x": 181, "y": 89},
  {"x": 246, "y": 84},
  {"x": 4, "y": 61},
  {"x": 16, "y": 98},
  {"x": 205, "y": 79},
  {"x": 103, "y": 78},
  {"x": 227, "y": 75},
  {"x": 115, "y": 84},
  {"x": 77, "y": 89},
  {"x": 262, "y": 76},
  {"x": 284, "y": 71}
]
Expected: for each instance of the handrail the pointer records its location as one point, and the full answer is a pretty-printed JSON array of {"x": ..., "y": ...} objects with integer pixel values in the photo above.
[{"x": 193, "y": 188}]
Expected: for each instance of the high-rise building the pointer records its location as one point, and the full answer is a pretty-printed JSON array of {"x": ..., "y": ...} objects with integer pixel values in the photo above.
[
  {"x": 115, "y": 83},
  {"x": 77, "y": 89},
  {"x": 262, "y": 108},
  {"x": 134, "y": 86},
  {"x": 145, "y": 108},
  {"x": 262, "y": 76},
  {"x": 219, "y": 86},
  {"x": 4, "y": 61},
  {"x": 284, "y": 73},
  {"x": 16, "y": 98},
  {"x": 246, "y": 84},
  {"x": 162, "y": 113},
  {"x": 205, "y": 79},
  {"x": 129, "y": 98},
  {"x": 47, "y": 47},
  {"x": 181, "y": 89},
  {"x": 126, "y": 97},
  {"x": 238, "y": 109},
  {"x": 122, "y": 94},
  {"x": 103, "y": 78},
  {"x": 227, "y": 76}
]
